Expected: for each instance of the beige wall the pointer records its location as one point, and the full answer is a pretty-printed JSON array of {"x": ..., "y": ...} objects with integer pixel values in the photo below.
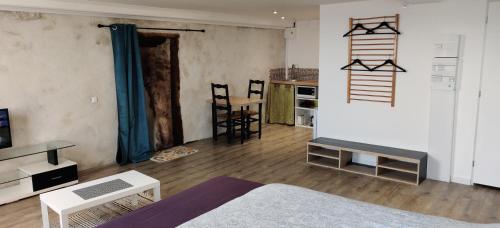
[
  {"x": 303, "y": 48},
  {"x": 51, "y": 65}
]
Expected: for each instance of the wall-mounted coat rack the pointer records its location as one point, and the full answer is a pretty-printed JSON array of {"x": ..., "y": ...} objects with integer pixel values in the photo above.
[{"x": 373, "y": 45}]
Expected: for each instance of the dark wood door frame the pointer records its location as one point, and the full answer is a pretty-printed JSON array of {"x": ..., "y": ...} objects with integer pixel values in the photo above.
[{"x": 153, "y": 40}]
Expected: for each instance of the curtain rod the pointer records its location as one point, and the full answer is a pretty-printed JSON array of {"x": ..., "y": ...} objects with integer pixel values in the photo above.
[{"x": 165, "y": 29}]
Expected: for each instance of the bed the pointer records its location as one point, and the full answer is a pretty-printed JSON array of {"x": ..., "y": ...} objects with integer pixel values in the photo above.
[
  {"x": 186, "y": 205},
  {"x": 230, "y": 202}
]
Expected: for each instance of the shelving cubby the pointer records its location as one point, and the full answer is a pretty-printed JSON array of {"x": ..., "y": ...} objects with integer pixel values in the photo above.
[
  {"x": 327, "y": 157},
  {"x": 405, "y": 166}
]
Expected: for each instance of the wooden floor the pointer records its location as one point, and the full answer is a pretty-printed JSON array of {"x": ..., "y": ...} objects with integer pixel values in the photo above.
[{"x": 280, "y": 157}]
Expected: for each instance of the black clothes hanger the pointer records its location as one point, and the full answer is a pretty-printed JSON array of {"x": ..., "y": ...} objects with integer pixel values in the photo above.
[
  {"x": 356, "y": 61},
  {"x": 356, "y": 27},
  {"x": 390, "y": 62},
  {"x": 382, "y": 25}
]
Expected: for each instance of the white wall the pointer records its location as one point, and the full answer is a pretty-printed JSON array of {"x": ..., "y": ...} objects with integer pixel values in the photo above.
[
  {"x": 406, "y": 125},
  {"x": 303, "y": 49}
]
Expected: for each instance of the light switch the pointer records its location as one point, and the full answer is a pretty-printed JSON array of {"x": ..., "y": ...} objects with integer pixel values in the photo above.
[{"x": 94, "y": 100}]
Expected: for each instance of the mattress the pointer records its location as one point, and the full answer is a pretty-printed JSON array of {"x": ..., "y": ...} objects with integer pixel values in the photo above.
[{"x": 185, "y": 205}]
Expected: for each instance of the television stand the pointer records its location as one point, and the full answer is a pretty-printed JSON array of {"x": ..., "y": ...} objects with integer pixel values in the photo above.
[{"x": 35, "y": 178}]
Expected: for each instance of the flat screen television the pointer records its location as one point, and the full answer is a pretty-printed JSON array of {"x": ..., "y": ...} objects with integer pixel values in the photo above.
[{"x": 5, "y": 136}]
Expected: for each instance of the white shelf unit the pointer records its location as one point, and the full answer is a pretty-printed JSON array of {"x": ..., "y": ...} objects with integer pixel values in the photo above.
[
  {"x": 24, "y": 187},
  {"x": 35, "y": 178},
  {"x": 306, "y": 109}
]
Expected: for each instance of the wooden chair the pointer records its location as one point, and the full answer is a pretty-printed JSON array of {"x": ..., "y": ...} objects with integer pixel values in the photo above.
[
  {"x": 255, "y": 88},
  {"x": 222, "y": 115}
]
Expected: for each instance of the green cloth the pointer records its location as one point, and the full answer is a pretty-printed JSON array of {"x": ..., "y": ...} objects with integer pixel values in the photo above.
[{"x": 281, "y": 104}]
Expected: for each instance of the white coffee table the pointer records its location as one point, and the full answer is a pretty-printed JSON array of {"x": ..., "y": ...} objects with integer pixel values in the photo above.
[{"x": 65, "y": 201}]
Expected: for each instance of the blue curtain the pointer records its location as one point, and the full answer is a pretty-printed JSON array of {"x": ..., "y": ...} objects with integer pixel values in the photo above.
[{"x": 133, "y": 138}]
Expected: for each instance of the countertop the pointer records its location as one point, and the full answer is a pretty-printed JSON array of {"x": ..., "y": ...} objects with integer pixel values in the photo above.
[{"x": 302, "y": 83}]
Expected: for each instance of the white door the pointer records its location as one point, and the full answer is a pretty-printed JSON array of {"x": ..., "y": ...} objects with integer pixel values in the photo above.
[{"x": 487, "y": 154}]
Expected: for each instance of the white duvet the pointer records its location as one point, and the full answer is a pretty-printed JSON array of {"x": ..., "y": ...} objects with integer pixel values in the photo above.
[{"x": 279, "y": 205}]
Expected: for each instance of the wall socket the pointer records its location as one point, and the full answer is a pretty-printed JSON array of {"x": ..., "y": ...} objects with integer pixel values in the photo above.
[{"x": 94, "y": 100}]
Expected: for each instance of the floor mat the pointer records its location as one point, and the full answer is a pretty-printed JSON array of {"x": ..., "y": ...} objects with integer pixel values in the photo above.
[{"x": 173, "y": 153}]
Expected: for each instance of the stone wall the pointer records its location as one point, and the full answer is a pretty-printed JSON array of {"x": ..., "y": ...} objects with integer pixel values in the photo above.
[{"x": 51, "y": 65}]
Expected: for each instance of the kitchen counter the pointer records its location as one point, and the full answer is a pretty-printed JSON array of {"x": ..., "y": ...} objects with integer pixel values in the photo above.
[{"x": 301, "y": 83}]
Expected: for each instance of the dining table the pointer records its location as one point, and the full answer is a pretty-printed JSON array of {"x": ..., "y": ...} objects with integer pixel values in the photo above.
[{"x": 243, "y": 102}]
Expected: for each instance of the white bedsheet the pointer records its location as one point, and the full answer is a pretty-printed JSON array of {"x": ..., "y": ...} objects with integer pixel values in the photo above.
[{"x": 279, "y": 205}]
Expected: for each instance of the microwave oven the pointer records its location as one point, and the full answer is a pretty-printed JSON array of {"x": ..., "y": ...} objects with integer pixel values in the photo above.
[{"x": 307, "y": 92}]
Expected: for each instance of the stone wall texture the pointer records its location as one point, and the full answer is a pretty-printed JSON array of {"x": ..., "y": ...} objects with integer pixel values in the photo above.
[{"x": 51, "y": 65}]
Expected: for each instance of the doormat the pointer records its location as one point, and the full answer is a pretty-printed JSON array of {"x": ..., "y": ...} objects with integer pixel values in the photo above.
[{"x": 173, "y": 153}]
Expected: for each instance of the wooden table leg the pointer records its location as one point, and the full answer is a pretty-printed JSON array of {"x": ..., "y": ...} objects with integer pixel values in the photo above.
[
  {"x": 243, "y": 125},
  {"x": 248, "y": 125},
  {"x": 260, "y": 120},
  {"x": 229, "y": 135},
  {"x": 229, "y": 123},
  {"x": 214, "y": 122}
]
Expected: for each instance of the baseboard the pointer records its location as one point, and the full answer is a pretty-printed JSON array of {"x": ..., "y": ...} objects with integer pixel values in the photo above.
[{"x": 461, "y": 180}]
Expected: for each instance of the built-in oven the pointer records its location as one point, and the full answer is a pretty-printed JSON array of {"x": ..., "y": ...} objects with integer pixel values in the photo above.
[{"x": 307, "y": 92}]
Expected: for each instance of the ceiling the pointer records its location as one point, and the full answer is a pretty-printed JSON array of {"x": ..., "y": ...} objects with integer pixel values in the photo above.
[
  {"x": 253, "y": 13},
  {"x": 291, "y": 9}
]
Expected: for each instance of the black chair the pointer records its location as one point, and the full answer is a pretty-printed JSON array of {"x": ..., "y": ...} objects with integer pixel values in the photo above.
[
  {"x": 255, "y": 88},
  {"x": 222, "y": 115}
]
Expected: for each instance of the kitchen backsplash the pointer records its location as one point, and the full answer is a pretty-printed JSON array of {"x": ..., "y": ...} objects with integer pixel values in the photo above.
[{"x": 299, "y": 74}]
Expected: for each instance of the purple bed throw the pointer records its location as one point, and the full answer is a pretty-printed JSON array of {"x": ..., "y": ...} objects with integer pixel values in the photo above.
[{"x": 185, "y": 205}]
